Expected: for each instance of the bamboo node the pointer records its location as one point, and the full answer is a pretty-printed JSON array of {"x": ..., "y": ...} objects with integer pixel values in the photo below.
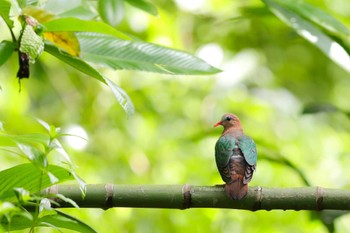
[
  {"x": 109, "y": 196},
  {"x": 319, "y": 197},
  {"x": 186, "y": 191},
  {"x": 258, "y": 198}
]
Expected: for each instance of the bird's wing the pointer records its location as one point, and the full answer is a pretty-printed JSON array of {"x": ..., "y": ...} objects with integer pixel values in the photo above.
[
  {"x": 248, "y": 148},
  {"x": 223, "y": 151}
]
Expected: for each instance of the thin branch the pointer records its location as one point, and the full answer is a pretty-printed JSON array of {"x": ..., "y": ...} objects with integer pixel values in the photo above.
[{"x": 189, "y": 196}]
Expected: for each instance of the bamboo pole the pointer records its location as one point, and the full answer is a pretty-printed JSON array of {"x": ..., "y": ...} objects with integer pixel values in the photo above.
[{"x": 189, "y": 196}]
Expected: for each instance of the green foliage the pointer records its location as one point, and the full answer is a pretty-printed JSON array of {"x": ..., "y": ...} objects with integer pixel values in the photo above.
[
  {"x": 144, "y": 5},
  {"x": 133, "y": 56},
  {"x": 78, "y": 25},
  {"x": 316, "y": 16},
  {"x": 307, "y": 20},
  {"x": 6, "y": 50},
  {"x": 50, "y": 218},
  {"x": 122, "y": 98},
  {"x": 27, "y": 176},
  {"x": 290, "y": 93},
  {"x": 21, "y": 185},
  {"x": 111, "y": 11}
]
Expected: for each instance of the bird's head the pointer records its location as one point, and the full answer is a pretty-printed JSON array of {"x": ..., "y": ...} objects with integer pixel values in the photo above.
[{"x": 229, "y": 120}]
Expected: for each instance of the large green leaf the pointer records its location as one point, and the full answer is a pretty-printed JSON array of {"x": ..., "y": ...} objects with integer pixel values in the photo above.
[
  {"x": 111, "y": 11},
  {"x": 78, "y": 25},
  {"x": 6, "y": 50},
  {"x": 56, "y": 220},
  {"x": 144, "y": 5},
  {"x": 5, "y": 7},
  {"x": 330, "y": 47},
  {"x": 317, "y": 16},
  {"x": 136, "y": 55},
  {"x": 29, "y": 177},
  {"x": 122, "y": 97}
]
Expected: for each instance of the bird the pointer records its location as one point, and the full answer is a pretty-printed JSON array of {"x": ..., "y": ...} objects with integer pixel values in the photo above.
[{"x": 235, "y": 156}]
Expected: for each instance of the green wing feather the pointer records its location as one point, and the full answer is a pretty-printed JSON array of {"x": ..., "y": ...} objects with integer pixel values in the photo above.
[
  {"x": 248, "y": 148},
  {"x": 223, "y": 152}
]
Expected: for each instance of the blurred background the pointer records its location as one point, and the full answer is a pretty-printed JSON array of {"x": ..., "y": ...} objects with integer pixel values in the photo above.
[{"x": 292, "y": 100}]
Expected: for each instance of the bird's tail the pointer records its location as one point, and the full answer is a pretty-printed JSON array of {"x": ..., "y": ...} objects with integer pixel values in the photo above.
[{"x": 236, "y": 189}]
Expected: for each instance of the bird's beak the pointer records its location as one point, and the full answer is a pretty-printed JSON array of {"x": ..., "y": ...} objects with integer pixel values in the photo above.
[{"x": 218, "y": 123}]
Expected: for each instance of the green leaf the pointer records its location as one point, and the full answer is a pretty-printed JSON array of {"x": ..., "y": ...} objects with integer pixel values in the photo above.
[
  {"x": 144, "y": 5},
  {"x": 31, "y": 43},
  {"x": 331, "y": 48},
  {"x": 64, "y": 154},
  {"x": 8, "y": 208},
  {"x": 135, "y": 55},
  {"x": 51, "y": 129},
  {"x": 34, "y": 138},
  {"x": 27, "y": 177},
  {"x": 7, "y": 211},
  {"x": 6, "y": 50},
  {"x": 82, "y": 11},
  {"x": 78, "y": 25},
  {"x": 32, "y": 146},
  {"x": 122, "y": 97},
  {"x": 32, "y": 2},
  {"x": 45, "y": 208},
  {"x": 28, "y": 144},
  {"x": 319, "y": 107},
  {"x": 317, "y": 16},
  {"x": 111, "y": 11},
  {"x": 22, "y": 3},
  {"x": 36, "y": 156},
  {"x": 22, "y": 194},
  {"x": 5, "y": 7},
  {"x": 75, "y": 62},
  {"x": 65, "y": 199},
  {"x": 55, "y": 219},
  {"x": 66, "y": 221}
]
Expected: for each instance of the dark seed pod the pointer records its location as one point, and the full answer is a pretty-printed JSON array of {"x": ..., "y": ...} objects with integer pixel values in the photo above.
[{"x": 23, "y": 71}]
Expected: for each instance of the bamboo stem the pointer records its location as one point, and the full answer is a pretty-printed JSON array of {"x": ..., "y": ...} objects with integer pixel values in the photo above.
[{"x": 187, "y": 196}]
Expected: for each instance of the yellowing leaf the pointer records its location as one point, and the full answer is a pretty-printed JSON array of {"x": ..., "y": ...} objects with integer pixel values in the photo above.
[
  {"x": 65, "y": 40},
  {"x": 38, "y": 13}
]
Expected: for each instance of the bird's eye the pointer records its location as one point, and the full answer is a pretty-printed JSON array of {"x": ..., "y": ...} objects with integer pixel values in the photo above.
[{"x": 228, "y": 118}]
